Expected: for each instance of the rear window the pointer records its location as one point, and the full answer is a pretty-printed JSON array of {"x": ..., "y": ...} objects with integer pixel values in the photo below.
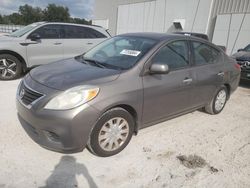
[{"x": 205, "y": 54}]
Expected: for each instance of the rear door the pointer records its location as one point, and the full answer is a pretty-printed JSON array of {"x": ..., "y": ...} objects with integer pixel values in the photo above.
[
  {"x": 168, "y": 94},
  {"x": 78, "y": 40},
  {"x": 208, "y": 72},
  {"x": 48, "y": 49}
]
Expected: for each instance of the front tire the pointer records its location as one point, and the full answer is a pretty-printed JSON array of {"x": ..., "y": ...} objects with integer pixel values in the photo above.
[
  {"x": 10, "y": 67},
  {"x": 112, "y": 133},
  {"x": 218, "y": 102}
]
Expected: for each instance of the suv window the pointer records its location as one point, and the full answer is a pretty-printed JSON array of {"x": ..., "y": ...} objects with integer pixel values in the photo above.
[
  {"x": 174, "y": 54},
  {"x": 204, "y": 54},
  {"x": 76, "y": 32},
  {"x": 49, "y": 31}
]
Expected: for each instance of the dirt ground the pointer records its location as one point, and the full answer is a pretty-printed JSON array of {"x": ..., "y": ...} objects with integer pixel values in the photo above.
[{"x": 194, "y": 150}]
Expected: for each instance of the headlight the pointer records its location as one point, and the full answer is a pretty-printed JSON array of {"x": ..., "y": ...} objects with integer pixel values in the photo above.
[{"x": 72, "y": 98}]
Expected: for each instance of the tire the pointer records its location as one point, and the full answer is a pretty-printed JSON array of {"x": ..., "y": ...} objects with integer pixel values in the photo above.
[
  {"x": 10, "y": 67},
  {"x": 107, "y": 138},
  {"x": 218, "y": 102}
]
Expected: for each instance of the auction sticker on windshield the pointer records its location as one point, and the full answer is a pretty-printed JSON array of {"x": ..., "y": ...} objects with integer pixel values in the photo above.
[{"x": 130, "y": 52}]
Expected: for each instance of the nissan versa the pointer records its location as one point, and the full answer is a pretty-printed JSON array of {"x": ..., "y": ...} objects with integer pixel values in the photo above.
[{"x": 100, "y": 99}]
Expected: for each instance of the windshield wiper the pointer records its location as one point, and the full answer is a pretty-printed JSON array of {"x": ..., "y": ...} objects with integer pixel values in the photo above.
[{"x": 97, "y": 63}]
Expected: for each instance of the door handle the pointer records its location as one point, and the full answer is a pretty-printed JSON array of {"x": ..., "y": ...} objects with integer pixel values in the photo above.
[
  {"x": 89, "y": 43},
  {"x": 187, "y": 80},
  {"x": 57, "y": 43},
  {"x": 221, "y": 74}
]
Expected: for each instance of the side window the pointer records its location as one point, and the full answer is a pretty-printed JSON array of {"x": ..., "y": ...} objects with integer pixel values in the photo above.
[
  {"x": 78, "y": 32},
  {"x": 49, "y": 31},
  {"x": 71, "y": 32},
  {"x": 175, "y": 55},
  {"x": 204, "y": 54},
  {"x": 91, "y": 33}
]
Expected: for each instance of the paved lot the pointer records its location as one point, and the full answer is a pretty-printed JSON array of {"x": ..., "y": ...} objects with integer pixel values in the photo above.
[{"x": 221, "y": 144}]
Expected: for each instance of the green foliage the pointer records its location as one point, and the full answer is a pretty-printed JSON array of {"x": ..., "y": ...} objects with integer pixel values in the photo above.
[
  {"x": 52, "y": 13},
  {"x": 56, "y": 13},
  {"x": 29, "y": 14}
]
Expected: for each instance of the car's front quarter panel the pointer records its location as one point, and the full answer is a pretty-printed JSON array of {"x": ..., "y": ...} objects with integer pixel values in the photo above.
[
  {"x": 126, "y": 90},
  {"x": 9, "y": 44}
]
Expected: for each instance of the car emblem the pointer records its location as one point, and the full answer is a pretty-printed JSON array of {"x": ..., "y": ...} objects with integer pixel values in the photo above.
[
  {"x": 247, "y": 64},
  {"x": 22, "y": 93}
]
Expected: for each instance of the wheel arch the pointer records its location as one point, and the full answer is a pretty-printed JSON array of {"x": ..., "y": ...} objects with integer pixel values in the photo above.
[
  {"x": 131, "y": 110},
  {"x": 228, "y": 87},
  {"x": 18, "y": 56}
]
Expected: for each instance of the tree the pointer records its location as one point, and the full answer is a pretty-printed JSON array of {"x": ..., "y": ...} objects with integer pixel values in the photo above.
[
  {"x": 52, "y": 13},
  {"x": 80, "y": 21},
  {"x": 56, "y": 13},
  {"x": 30, "y": 14},
  {"x": 16, "y": 19},
  {"x": 1, "y": 18}
]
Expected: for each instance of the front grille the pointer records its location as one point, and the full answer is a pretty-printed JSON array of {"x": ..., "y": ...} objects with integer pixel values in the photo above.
[
  {"x": 245, "y": 65},
  {"x": 27, "y": 95}
]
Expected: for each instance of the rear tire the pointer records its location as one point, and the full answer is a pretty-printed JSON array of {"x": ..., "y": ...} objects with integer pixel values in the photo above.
[
  {"x": 10, "y": 67},
  {"x": 218, "y": 102},
  {"x": 112, "y": 133}
]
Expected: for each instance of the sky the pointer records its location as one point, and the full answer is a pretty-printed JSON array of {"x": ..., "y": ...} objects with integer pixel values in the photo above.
[{"x": 77, "y": 8}]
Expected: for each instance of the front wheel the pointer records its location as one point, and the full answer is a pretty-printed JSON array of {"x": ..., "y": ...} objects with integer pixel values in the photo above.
[
  {"x": 10, "y": 67},
  {"x": 112, "y": 133},
  {"x": 218, "y": 102}
]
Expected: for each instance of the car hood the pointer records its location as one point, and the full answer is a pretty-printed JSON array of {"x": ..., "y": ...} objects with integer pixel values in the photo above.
[
  {"x": 6, "y": 39},
  {"x": 68, "y": 73},
  {"x": 242, "y": 56}
]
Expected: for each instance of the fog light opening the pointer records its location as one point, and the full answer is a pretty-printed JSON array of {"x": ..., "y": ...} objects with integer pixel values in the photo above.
[{"x": 52, "y": 136}]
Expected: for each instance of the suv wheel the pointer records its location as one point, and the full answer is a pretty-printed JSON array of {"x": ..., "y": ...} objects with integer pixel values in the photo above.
[
  {"x": 10, "y": 67},
  {"x": 218, "y": 102},
  {"x": 112, "y": 133}
]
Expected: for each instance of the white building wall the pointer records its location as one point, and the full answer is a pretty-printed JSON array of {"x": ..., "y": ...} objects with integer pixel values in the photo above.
[
  {"x": 232, "y": 31},
  {"x": 158, "y": 16}
]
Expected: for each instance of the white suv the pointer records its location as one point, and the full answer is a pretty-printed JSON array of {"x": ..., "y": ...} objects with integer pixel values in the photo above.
[{"x": 45, "y": 42}]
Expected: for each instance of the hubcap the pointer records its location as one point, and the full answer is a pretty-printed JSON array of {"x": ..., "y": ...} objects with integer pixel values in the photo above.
[
  {"x": 113, "y": 134},
  {"x": 7, "y": 68},
  {"x": 220, "y": 100}
]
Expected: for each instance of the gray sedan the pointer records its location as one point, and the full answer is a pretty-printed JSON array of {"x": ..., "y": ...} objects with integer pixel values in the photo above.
[{"x": 100, "y": 99}]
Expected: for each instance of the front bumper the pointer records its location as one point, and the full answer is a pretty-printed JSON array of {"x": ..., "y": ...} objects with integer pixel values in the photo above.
[
  {"x": 245, "y": 74},
  {"x": 65, "y": 131}
]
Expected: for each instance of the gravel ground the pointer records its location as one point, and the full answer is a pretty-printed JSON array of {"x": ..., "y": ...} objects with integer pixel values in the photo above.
[{"x": 194, "y": 150}]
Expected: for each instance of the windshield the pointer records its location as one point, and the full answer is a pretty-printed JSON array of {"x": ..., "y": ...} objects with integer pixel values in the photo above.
[
  {"x": 120, "y": 52},
  {"x": 247, "y": 48},
  {"x": 26, "y": 29}
]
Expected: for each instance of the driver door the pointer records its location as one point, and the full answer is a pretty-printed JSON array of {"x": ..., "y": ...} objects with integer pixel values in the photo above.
[
  {"x": 47, "y": 49},
  {"x": 168, "y": 94}
]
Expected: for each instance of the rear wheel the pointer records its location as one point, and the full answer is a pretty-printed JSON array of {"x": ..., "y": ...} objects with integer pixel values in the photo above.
[
  {"x": 218, "y": 102},
  {"x": 10, "y": 67},
  {"x": 112, "y": 133}
]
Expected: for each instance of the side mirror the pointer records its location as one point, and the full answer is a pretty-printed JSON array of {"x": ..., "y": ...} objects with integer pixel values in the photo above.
[
  {"x": 159, "y": 68},
  {"x": 35, "y": 37},
  {"x": 240, "y": 50}
]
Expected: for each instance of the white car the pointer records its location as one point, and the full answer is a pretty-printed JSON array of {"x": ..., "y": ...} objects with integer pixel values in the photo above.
[{"x": 45, "y": 42}]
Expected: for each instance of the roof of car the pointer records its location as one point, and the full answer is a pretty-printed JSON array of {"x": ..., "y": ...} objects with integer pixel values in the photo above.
[
  {"x": 155, "y": 36},
  {"x": 167, "y": 37},
  {"x": 65, "y": 23},
  {"x": 191, "y": 33}
]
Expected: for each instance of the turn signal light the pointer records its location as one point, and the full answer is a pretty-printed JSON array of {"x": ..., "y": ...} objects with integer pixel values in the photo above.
[{"x": 237, "y": 66}]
